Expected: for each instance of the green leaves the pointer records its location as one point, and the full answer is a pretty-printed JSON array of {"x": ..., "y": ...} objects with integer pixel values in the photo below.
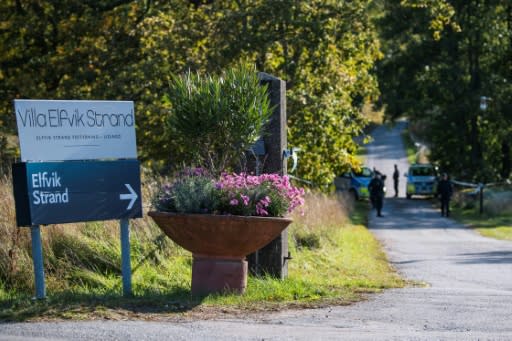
[
  {"x": 324, "y": 50},
  {"x": 441, "y": 14},
  {"x": 438, "y": 80},
  {"x": 217, "y": 116}
]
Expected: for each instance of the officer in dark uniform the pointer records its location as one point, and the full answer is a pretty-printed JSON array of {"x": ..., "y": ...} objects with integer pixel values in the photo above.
[
  {"x": 444, "y": 191},
  {"x": 396, "y": 177},
  {"x": 376, "y": 189}
]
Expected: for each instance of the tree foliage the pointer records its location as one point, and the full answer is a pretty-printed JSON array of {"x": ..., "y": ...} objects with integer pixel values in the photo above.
[
  {"x": 439, "y": 79},
  {"x": 94, "y": 50},
  {"x": 128, "y": 49},
  {"x": 324, "y": 50}
]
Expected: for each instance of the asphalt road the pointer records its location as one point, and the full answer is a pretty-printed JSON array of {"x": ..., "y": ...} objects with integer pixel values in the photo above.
[{"x": 467, "y": 293}]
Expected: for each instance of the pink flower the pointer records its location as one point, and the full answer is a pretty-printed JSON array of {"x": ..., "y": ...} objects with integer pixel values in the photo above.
[
  {"x": 261, "y": 206},
  {"x": 245, "y": 199},
  {"x": 241, "y": 189},
  {"x": 265, "y": 201},
  {"x": 261, "y": 211}
]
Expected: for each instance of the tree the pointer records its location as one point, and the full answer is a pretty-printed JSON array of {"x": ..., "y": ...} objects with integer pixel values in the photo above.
[
  {"x": 325, "y": 51},
  {"x": 98, "y": 50},
  {"x": 439, "y": 79},
  {"x": 122, "y": 49}
]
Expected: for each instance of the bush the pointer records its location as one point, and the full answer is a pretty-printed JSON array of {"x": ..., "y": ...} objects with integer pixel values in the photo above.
[{"x": 218, "y": 117}]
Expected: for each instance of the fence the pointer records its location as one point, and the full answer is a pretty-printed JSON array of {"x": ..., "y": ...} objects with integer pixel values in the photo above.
[{"x": 477, "y": 194}]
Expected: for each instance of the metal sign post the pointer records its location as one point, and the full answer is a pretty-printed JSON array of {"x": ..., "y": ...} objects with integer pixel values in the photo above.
[
  {"x": 37, "y": 259},
  {"x": 126, "y": 269},
  {"x": 62, "y": 192}
]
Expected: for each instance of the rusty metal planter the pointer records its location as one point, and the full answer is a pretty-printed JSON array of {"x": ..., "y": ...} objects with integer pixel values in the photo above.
[{"x": 219, "y": 245}]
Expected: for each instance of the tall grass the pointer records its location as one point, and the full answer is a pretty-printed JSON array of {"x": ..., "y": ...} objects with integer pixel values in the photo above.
[
  {"x": 14, "y": 243},
  {"x": 320, "y": 215},
  {"x": 498, "y": 202},
  {"x": 79, "y": 255},
  {"x": 347, "y": 252}
]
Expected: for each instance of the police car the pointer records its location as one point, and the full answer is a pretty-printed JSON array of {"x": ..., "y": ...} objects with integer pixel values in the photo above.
[
  {"x": 355, "y": 182},
  {"x": 421, "y": 180}
]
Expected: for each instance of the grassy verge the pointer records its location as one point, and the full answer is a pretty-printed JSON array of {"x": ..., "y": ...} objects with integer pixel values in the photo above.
[
  {"x": 499, "y": 227},
  {"x": 335, "y": 261},
  {"x": 496, "y": 219},
  {"x": 331, "y": 264}
]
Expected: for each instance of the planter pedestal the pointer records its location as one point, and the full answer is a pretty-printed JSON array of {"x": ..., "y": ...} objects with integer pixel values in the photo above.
[{"x": 214, "y": 275}]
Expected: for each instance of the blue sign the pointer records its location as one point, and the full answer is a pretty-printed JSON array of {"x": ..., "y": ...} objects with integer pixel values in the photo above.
[{"x": 73, "y": 191}]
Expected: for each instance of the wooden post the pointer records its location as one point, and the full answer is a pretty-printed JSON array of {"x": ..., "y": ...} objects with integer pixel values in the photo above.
[
  {"x": 273, "y": 258},
  {"x": 481, "y": 186}
]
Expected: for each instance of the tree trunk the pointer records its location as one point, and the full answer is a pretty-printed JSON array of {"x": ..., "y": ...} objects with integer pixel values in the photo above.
[{"x": 505, "y": 159}]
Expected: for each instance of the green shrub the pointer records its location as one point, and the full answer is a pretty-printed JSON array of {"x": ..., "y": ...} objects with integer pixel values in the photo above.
[{"x": 217, "y": 117}]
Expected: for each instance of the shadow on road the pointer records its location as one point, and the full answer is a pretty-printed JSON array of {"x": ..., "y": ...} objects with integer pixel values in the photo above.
[
  {"x": 110, "y": 306},
  {"x": 401, "y": 213},
  {"x": 493, "y": 257}
]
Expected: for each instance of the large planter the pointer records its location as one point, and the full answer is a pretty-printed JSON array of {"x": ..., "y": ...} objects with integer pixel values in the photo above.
[{"x": 219, "y": 244}]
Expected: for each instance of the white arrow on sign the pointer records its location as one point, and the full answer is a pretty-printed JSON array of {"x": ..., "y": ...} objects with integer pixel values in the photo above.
[{"x": 131, "y": 196}]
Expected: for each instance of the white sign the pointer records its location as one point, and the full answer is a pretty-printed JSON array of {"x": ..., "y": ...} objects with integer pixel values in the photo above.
[{"x": 75, "y": 130}]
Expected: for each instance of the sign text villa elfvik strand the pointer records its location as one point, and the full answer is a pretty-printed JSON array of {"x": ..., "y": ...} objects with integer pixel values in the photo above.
[
  {"x": 79, "y": 163},
  {"x": 59, "y": 118},
  {"x": 53, "y": 130}
]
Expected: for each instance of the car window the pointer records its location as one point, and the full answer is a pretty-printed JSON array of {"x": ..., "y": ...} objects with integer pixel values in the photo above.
[
  {"x": 422, "y": 171},
  {"x": 364, "y": 172}
]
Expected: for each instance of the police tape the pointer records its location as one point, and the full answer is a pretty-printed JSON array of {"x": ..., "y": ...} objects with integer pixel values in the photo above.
[
  {"x": 480, "y": 186},
  {"x": 465, "y": 184}
]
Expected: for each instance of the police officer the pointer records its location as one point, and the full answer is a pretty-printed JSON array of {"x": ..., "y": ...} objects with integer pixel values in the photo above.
[
  {"x": 444, "y": 191},
  {"x": 396, "y": 176},
  {"x": 376, "y": 189}
]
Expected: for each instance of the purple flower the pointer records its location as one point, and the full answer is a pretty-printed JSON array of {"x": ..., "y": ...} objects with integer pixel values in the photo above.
[
  {"x": 265, "y": 201},
  {"x": 261, "y": 211},
  {"x": 245, "y": 199},
  {"x": 233, "y": 202}
]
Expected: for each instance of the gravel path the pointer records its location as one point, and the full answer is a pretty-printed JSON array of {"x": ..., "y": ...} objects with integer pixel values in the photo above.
[{"x": 467, "y": 293}]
